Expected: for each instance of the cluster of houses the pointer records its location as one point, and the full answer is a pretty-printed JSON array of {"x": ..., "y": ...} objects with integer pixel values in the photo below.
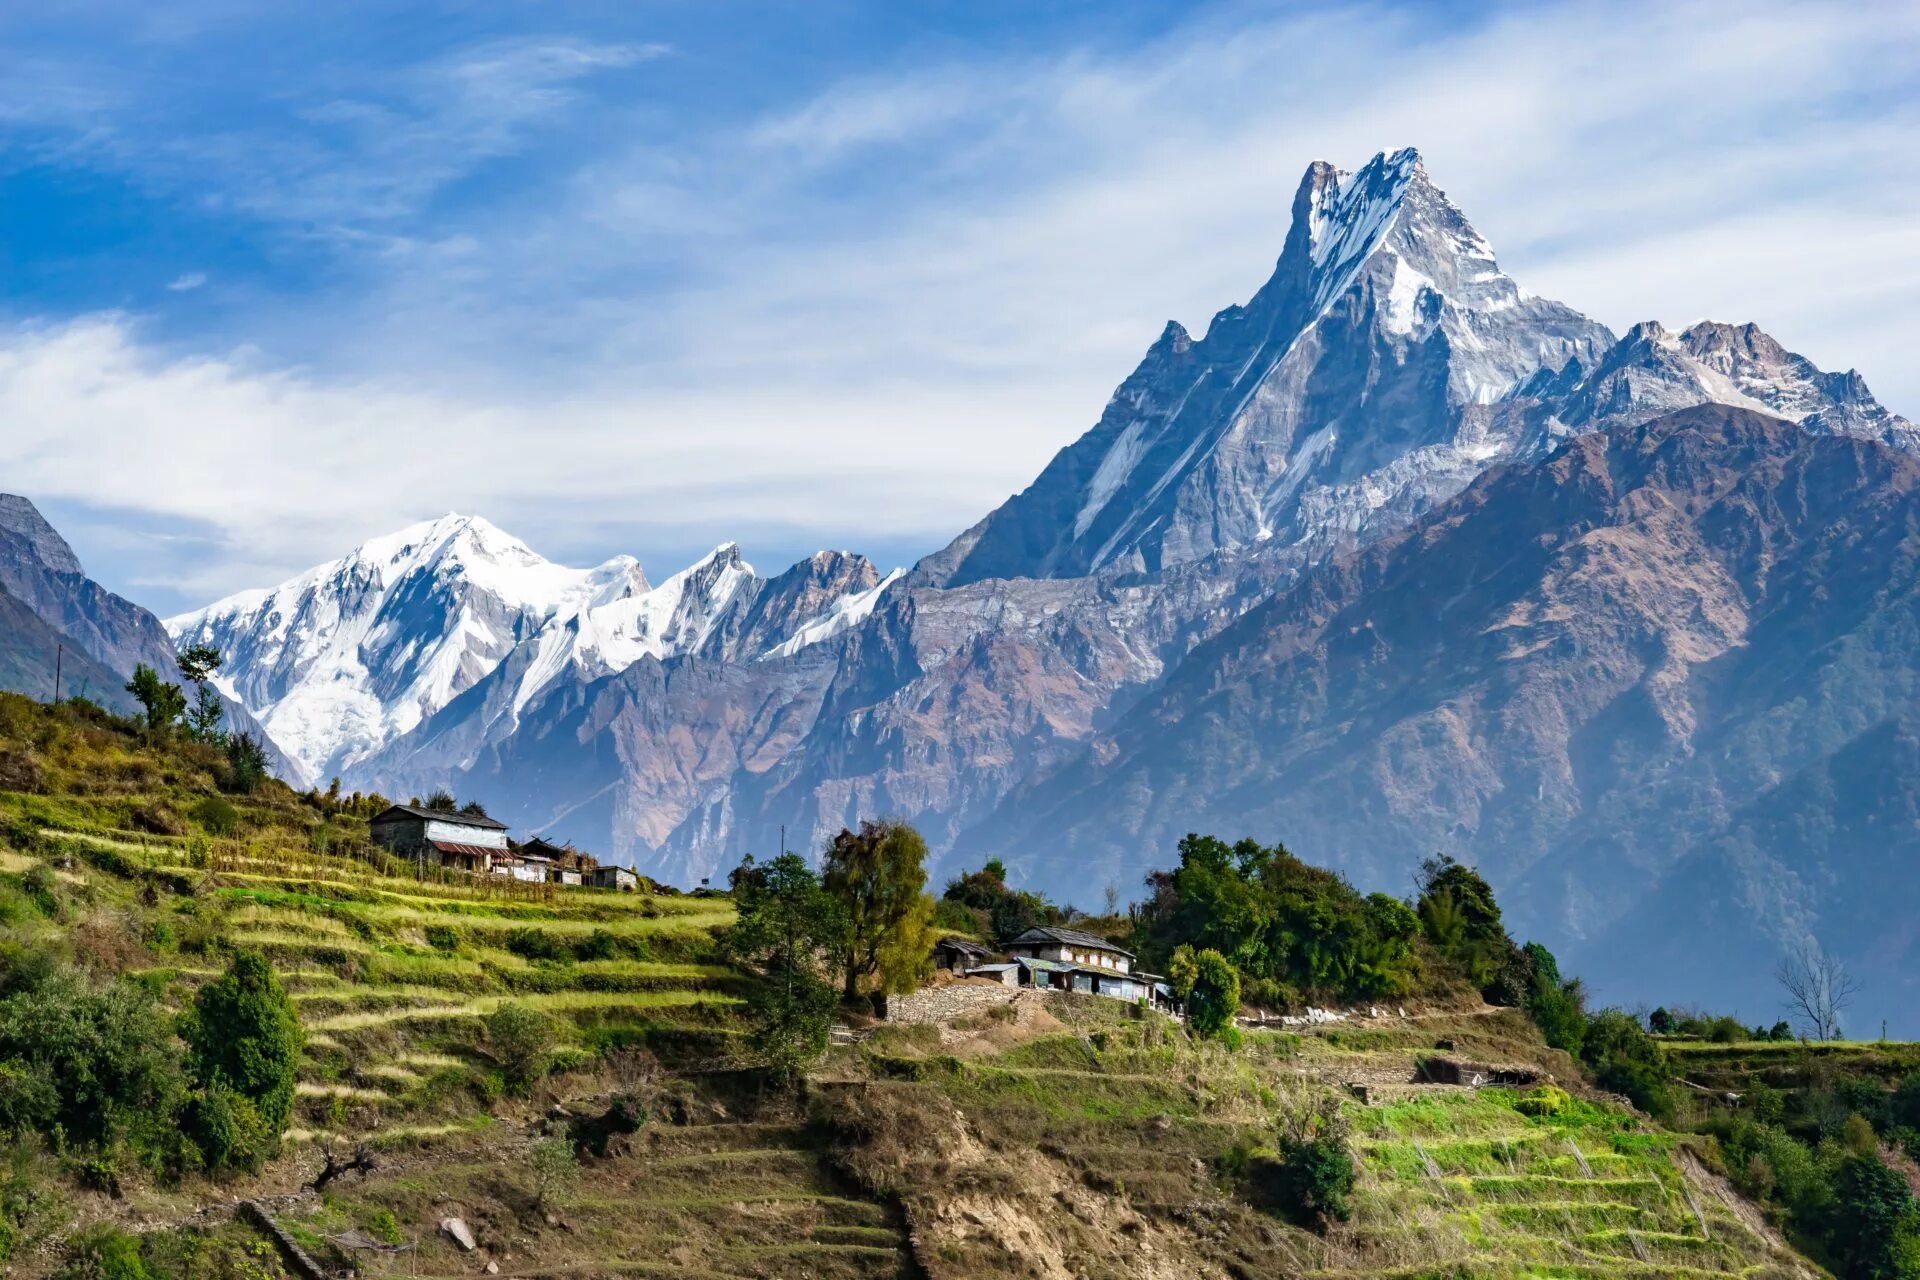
[
  {"x": 1061, "y": 959},
  {"x": 478, "y": 845}
]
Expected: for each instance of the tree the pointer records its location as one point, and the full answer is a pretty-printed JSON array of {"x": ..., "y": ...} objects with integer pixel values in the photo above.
[
  {"x": 555, "y": 1170},
  {"x": 163, "y": 703},
  {"x": 203, "y": 720},
  {"x": 442, "y": 801},
  {"x": 1183, "y": 970},
  {"x": 198, "y": 662},
  {"x": 1875, "y": 1221},
  {"x": 520, "y": 1039},
  {"x": 1818, "y": 990},
  {"x": 793, "y": 932},
  {"x": 1216, "y": 994},
  {"x": 879, "y": 876},
  {"x": 246, "y": 764},
  {"x": 242, "y": 1033},
  {"x": 474, "y": 808}
]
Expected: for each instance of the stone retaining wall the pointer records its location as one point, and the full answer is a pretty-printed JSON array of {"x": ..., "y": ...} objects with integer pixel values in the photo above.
[{"x": 944, "y": 1004}]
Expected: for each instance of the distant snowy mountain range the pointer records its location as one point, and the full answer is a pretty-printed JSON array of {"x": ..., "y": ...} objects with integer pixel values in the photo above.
[
  {"x": 356, "y": 653},
  {"x": 1045, "y": 686}
]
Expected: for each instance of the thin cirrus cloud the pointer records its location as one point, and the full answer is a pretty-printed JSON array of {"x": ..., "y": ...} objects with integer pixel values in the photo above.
[{"x": 862, "y": 311}]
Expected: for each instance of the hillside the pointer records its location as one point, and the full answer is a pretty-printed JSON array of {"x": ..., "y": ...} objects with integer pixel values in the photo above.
[{"x": 1051, "y": 1135}]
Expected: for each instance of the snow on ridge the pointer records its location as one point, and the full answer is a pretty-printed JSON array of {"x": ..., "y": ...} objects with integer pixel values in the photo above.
[
  {"x": 844, "y": 614},
  {"x": 431, "y": 608}
]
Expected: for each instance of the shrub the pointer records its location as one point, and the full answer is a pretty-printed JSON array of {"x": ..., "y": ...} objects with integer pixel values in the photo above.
[
  {"x": 242, "y": 1034},
  {"x": 229, "y": 1129},
  {"x": 89, "y": 1063},
  {"x": 1318, "y": 1176},
  {"x": 538, "y": 944},
  {"x": 520, "y": 1039},
  {"x": 1216, "y": 995},
  {"x": 444, "y": 937},
  {"x": 1546, "y": 1100},
  {"x": 103, "y": 1252},
  {"x": 216, "y": 816},
  {"x": 555, "y": 1170}
]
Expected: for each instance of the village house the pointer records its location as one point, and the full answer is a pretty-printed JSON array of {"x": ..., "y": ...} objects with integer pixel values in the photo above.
[
  {"x": 625, "y": 879},
  {"x": 957, "y": 955},
  {"x": 462, "y": 841},
  {"x": 561, "y": 863},
  {"x": 1070, "y": 960}
]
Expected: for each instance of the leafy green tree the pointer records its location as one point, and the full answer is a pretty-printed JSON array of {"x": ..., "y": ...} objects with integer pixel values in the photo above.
[
  {"x": 794, "y": 932},
  {"x": 1183, "y": 970},
  {"x": 162, "y": 702},
  {"x": 442, "y": 801},
  {"x": 205, "y": 716},
  {"x": 1008, "y": 912},
  {"x": 1291, "y": 929},
  {"x": 246, "y": 764},
  {"x": 1215, "y": 998},
  {"x": 90, "y": 1064},
  {"x": 521, "y": 1041},
  {"x": 1875, "y": 1228},
  {"x": 1626, "y": 1060},
  {"x": 242, "y": 1034},
  {"x": 878, "y": 874}
]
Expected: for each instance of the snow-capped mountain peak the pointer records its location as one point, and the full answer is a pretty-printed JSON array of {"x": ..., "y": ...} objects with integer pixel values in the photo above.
[
  {"x": 1385, "y": 306},
  {"x": 342, "y": 658}
]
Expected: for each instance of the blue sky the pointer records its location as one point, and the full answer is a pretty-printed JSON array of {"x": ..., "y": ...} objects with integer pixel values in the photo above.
[{"x": 640, "y": 277}]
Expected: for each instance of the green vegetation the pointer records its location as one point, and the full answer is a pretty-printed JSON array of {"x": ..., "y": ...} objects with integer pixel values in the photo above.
[
  {"x": 878, "y": 875},
  {"x": 793, "y": 932},
  {"x": 1296, "y": 933}
]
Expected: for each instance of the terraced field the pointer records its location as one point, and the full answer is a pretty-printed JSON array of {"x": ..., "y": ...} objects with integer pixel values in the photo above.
[
  {"x": 1463, "y": 1177},
  {"x": 394, "y": 978},
  {"x": 722, "y": 1198}
]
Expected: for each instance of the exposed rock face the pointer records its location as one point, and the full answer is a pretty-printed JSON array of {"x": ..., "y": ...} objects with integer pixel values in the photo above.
[
  {"x": 1358, "y": 378},
  {"x": 1672, "y": 664}
]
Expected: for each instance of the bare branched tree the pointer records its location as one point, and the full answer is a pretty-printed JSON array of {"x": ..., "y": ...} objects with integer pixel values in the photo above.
[{"x": 1818, "y": 990}]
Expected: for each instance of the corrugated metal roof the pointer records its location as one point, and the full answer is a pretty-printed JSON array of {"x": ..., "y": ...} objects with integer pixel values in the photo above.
[
  {"x": 1068, "y": 938},
  {"x": 469, "y": 850},
  {"x": 437, "y": 815}
]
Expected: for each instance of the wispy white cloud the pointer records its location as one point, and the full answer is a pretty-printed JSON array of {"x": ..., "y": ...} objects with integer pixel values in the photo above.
[
  {"x": 900, "y": 294},
  {"x": 187, "y": 282}
]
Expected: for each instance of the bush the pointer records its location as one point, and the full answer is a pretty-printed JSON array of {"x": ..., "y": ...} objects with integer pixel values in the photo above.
[
  {"x": 1216, "y": 995},
  {"x": 242, "y": 1035},
  {"x": 1318, "y": 1176},
  {"x": 538, "y": 944},
  {"x": 216, "y": 816},
  {"x": 103, "y": 1252},
  {"x": 520, "y": 1039},
  {"x": 1546, "y": 1100},
  {"x": 444, "y": 937}
]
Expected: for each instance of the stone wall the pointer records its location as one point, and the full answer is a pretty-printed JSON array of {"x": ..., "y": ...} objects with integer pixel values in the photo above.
[{"x": 944, "y": 1004}]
